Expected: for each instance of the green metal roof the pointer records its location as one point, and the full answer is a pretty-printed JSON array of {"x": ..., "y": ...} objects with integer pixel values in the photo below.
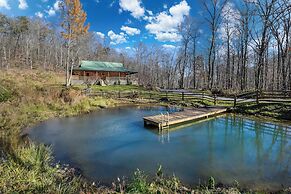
[{"x": 101, "y": 66}]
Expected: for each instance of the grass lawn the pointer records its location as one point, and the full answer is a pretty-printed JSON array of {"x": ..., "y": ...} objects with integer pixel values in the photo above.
[{"x": 275, "y": 110}]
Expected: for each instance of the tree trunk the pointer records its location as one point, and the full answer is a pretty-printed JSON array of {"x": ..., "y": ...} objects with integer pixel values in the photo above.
[{"x": 68, "y": 63}]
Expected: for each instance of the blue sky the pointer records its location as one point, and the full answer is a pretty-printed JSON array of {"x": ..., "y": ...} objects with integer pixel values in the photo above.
[{"x": 123, "y": 23}]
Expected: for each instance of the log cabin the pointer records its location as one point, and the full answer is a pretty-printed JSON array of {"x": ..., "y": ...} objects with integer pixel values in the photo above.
[{"x": 109, "y": 73}]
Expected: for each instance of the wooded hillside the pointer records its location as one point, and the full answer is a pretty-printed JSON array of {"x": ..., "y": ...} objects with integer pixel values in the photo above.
[{"x": 248, "y": 48}]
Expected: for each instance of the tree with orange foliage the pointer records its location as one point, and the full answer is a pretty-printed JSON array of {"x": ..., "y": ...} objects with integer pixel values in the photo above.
[{"x": 74, "y": 18}]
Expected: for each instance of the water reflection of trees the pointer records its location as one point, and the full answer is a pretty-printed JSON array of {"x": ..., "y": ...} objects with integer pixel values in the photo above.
[
  {"x": 210, "y": 133},
  {"x": 272, "y": 142}
]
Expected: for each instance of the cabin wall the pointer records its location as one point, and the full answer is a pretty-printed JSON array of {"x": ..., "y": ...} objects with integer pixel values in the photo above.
[
  {"x": 99, "y": 74},
  {"x": 109, "y": 78}
]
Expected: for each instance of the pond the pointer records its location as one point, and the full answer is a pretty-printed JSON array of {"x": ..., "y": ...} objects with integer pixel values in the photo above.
[{"x": 113, "y": 143}]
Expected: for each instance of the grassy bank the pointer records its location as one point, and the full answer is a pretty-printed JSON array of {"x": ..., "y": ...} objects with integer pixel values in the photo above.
[
  {"x": 279, "y": 111},
  {"x": 28, "y": 97},
  {"x": 32, "y": 96}
]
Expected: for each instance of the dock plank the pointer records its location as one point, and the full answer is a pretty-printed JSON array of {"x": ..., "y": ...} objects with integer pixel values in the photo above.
[{"x": 181, "y": 117}]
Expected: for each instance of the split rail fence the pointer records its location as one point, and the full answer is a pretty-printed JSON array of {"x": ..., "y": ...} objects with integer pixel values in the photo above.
[{"x": 204, "y": 97}]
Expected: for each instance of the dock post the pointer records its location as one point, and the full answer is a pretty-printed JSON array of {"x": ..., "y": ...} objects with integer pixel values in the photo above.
[{"x": 234, "y": 101}]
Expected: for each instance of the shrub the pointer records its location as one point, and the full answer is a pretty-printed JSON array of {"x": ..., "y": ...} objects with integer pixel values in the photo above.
[
  {"x": 211, "y": 183},
  {"x": 4, "y": 94},
  {"x": 139, "y": 183}
]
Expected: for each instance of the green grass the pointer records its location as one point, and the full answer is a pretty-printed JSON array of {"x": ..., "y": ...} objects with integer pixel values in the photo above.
[
  {"x": 33, "y": 97},
  {"x": 274, "y": 110},
  {"x": 156, "y": 95},
  {"x": 141, "y": 183},
  {"x": 4, "y": 94},
  {"x": 29, "y": 170}
]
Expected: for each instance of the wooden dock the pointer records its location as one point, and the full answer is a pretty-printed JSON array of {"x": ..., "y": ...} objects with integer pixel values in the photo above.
[{"x": 162, "y": 121}]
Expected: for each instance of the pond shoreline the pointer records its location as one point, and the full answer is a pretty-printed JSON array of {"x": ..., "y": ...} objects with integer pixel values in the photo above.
[
  {"x": 221, "y": 185},
  {"x": 65, "y": 167}
]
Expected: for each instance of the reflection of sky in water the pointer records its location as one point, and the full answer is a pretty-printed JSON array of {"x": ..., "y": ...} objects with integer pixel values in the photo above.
[{"x": 113, "y": 142}]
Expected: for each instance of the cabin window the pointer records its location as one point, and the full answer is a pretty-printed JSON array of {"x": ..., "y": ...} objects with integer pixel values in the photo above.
[{"x": 87, "y": 74}]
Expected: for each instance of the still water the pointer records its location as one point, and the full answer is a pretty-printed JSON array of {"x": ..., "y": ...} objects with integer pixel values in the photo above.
[{"x": 113, "y": 143}]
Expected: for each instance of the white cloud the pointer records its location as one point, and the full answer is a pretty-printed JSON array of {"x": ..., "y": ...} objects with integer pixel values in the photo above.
[
  {"x": 180, "y": 10},
  {"x": 57, "y": 5},
  {"x": 168, "y": 36},
  {"x": 100, "y": 35},
  {"x": 22, "y": 4},
  {"x": 4, "y": 4},
  {"x": 130, "y": 31},
  {"x": 230, "y": 21},
  {"x": 230, "y": 13},
  {"x": 116, "y": 38},
  {"x": 133, "y": 6},
  {"x": 150, "y": 12},
  {"x": 51, "y": 11},
  {"x": 165, "y": 25},
  {"x": 39, "y": 14},
  {"x": 148, "y": 18},
  {"x": 169, "y": 46}
]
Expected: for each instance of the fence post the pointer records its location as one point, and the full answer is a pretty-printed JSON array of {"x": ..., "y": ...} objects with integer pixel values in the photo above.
[
  {"x": 234, "y": 101},
  {"x": 182, "y": 96},
  {"x": 202, "y": 97},
  {"x": 150, "y": 95},
  {"x": 214, "y": 99},
  {"x": 257, "y": 97},
  {"x": 118, "y": 94}
]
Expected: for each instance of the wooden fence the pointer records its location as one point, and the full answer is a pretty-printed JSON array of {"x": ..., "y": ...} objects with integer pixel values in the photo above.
[{"x": 204, "y": 97}]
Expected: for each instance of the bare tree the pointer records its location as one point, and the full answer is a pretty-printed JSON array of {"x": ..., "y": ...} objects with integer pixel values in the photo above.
[
  {"x": 280, "y": 26},
  {"x": 183, "y": 58},
  {"x": 261, "y": 34},
  {"x": 213, "y": 10}
]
